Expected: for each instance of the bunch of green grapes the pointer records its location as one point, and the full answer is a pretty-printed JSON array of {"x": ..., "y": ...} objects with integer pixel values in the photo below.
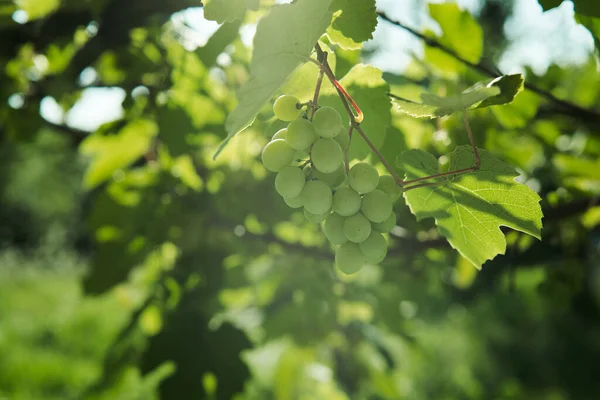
[{"x": 355, "y": 209}]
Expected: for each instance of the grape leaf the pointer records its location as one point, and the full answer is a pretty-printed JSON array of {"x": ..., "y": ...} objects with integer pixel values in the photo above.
[
  {"x": 301, "y": 82},
  {"x": 366, "y": 85},
  {"x": 469, "y": 209},
  {"x": 228, "y": 10},
  {"x": 357, "y": 20},
  {"x": 338, "y": 38},
  {"x": 500, "y": 90},
  {"x": 510, "y": 86},
  {"x": 284, "y": 39}
]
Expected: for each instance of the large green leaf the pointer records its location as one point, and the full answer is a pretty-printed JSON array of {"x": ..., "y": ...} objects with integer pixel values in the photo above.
[
  {"x": 217, "y": 43},
  {"x": 111, "y": 153},
  {"x": 469, "y": 209},
  {"x": 366, "y": 86},
  {"x": 228, "y": 10},
  {"x": 357, "y": 20},
  {"x": 302, "y": 81},
  {"x": 284, "y": 39},
  {"x": 501, "y": 90}
]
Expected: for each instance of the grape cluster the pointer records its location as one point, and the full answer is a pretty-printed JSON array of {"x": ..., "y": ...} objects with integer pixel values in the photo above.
[{"x": 355, "y": 209}]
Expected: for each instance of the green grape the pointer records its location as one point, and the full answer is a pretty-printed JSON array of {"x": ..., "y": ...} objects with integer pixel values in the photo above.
[
  {"x": 343, "y": 139},
  {"x": 333, "y": 179},
  {"x": 277, "y": 155},
  {"x": 376, "y": 206},
  {"x": 363, "y": 177},
  {"x": 346, "y": 201},
  {"x": 385, "y": 226},
  {"x": 294, "y": 202},
  {"x": 327, "y": 122},
  {"x": 280, "y": 134},
  {"x": 334, "y": 229},
  {"x": 357, "y": 228},
  {"x": 349, "y": 259},
  {"x": 315, "y": 217},
  {"x": 286, "y": 108},
  {"x": 388, "y": 184},
  {"x": 374, "y": 248},
  {"x": 300, "y": 134},
  {"x": 326, "y": 155},
  {"x": 289, "y": 182},
  {"x": 316, "y": 197}
]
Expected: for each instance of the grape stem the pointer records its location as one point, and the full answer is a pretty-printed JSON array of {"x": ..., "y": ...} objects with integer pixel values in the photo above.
[
  {"x": 347, "y": 150},
  {"x": 315, "y": 100},
  {"x": 356, "y": 119}
]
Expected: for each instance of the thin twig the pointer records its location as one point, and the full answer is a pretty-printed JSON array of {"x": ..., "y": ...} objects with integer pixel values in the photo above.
[
  {"x": 315, "y": 100},
  {"x": 573, "y": 109},
  {"x": 347, "y": 150}
]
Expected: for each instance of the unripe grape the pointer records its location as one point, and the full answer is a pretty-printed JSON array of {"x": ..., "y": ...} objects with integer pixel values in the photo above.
[
  {"x": 277, "y": 155},
  {"x": 294, "y": 202},
  {"x": 363, "y": 177},
  {"x": 300, "y": 134},
  {"x": 333, "y": 179},
  {"x": 348, "y": 258},
  {"x": 374, "y": 248},
  {"x": 346, "y": 201},
  {"x": 285, "y": 108},
  {"x": 316, "y": 197},
  {"x": 280, "y": 134},
  {"x": 316, "y": 218},
  {"x": 388, "y": 185},
  {"x": 326, "y": 155},
  {"x": 327, "y": 122},
  {"x": 289, "y": 182},
  {"x": 357, "y": 228},
  {"x": 385, "y": 226},
  {"x": 343, "y": 139},
  {"x": 334, "y": 229},
  {"x": 376, "y": 206}
]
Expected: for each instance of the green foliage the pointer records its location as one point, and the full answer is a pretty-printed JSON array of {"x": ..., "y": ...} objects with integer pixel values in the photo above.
[
  {"x": 112, "y": 153},
  {"x": 228, "y": 10},
  {"x": 469, "y": 209},
  {"x": 133, "y": 265},
  {"x": 357, "y": 20},
  {"x": 501, "y": 90},
  {"x": 583, "y": 7},
  {"x": 277, "y": 53},
  {"x": 461, "y": 33}
]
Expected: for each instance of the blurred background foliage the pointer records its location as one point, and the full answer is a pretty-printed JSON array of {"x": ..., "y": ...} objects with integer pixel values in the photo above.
[{"x": 133, "y": 266}]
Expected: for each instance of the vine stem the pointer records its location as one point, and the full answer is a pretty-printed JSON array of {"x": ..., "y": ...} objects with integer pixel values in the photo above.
[
  {"x": 347, "y": 150},
  {"x": 315, "y": 99},
  {"x": 355, "y": 120}
]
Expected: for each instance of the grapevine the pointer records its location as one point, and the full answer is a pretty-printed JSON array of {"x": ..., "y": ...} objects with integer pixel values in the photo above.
[{"x": 354, "y": 205}]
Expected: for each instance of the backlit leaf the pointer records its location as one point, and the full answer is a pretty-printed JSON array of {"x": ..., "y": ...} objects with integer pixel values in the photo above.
[
  {"x": 278, "y": 50},
  {"x": 469, "y": 209}
]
